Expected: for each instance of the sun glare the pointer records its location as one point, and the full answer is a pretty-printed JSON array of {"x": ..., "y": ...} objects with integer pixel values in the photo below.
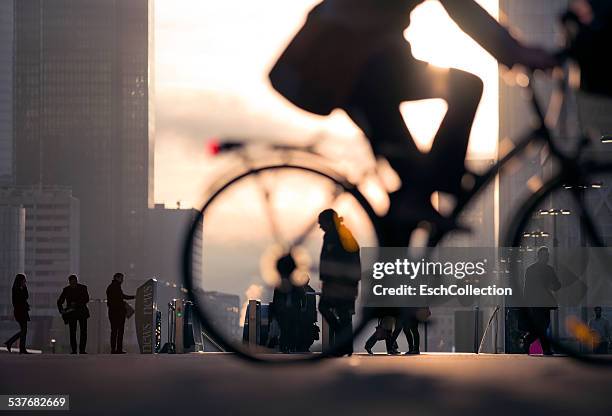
[
  {"x": 435, "y": 38},
  {"x": 224, "y": 50}
]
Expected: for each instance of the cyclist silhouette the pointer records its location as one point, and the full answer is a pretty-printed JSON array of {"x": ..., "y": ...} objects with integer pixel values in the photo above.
[{"x": 352, "y": 55}]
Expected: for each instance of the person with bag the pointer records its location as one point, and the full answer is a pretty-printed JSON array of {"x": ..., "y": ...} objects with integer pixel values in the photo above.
[
  {"x": 541, "y": 282},
  {"x": 384, "y": 331},
  {"x": 117, "y": 312},
  {"x": 309, "y": 331},
  {"x": 76, "y": 297},
  {"x": 408, "y": 321},
  {"x": 20, "y": 312},
  {"x": 340, "y": 273}
]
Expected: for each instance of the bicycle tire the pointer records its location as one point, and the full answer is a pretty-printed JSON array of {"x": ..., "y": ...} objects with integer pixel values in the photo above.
[
  {"x": 525, "y": 214},
  {"x": 321, "y": 171}
]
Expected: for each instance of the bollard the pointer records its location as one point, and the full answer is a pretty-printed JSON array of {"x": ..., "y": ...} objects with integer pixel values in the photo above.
[
  {"x": 476, "y": 340},
  {"x": 325, "y": 335},
  {"x": 252, "y": 324},
  {"x": 179, "y": 339}
]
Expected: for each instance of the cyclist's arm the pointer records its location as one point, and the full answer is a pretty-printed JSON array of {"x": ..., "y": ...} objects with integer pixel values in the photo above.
[
  {"x": 600, "y": 12},
  {"x": 480, "y": 25}
]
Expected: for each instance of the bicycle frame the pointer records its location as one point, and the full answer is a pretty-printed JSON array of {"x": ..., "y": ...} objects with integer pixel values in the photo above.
[{"x": 570, "y": 168}]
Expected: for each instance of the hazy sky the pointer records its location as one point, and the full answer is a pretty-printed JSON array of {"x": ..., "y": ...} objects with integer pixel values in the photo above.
[{"x": 212, "y": 60}]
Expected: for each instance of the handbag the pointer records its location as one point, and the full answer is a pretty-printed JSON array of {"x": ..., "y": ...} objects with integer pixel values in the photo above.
[
  {"x": 129, "y": 311},
  {"x": 315, "y": 332}
]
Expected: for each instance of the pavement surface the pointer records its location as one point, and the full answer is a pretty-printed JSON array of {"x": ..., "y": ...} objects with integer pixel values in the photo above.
[{"x": 223, "y": 384}]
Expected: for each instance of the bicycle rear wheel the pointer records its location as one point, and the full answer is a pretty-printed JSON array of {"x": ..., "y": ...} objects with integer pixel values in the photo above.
[
  {"x": 572, "y": 217},
  {"x": 247, "y": 229}
]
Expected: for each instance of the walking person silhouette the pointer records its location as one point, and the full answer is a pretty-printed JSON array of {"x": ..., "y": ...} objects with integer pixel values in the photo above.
[
  {"x": 20, "y": 312},
  {"x": 339, "y": 272}
]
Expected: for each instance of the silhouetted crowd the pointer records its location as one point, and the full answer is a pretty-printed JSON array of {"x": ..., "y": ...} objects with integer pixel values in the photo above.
[{"x": 72, "y": 305}]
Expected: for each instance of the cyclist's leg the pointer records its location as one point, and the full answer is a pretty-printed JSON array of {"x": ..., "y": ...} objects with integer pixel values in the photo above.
[
  {"x": 394, "y": 76},
  {"x": 374, "y": 107}
]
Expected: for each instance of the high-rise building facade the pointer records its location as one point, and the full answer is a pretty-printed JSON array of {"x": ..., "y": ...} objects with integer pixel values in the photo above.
[
  {"x": 51, "y": 249},
  {"x": 166, "y": 232},
  {"x": 535, "y": 23},
  {"x": 84, "y": 119},
  {"x": 6, "y": 92},
  {"x": 12, "y": 258},
  {"x": 51, "y": 241},
  {"x": 12, "y": 252}
]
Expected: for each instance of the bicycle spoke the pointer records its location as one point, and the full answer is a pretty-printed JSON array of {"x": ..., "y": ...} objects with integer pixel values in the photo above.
[
  {"x": 289, "y": 194},
  {"x": 269, "y": 210}
]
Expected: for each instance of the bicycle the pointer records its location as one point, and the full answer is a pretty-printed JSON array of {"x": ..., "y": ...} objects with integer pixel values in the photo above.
[{"x": 575, "y": 170}]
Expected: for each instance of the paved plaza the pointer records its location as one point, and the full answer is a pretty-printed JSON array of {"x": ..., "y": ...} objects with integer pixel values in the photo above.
[{"x": 211, "y": 384}]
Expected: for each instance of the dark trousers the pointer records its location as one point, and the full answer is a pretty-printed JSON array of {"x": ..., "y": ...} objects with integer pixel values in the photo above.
[
  {"x": 21, "y": 335},
  {"x": 394, "y": 76},
  {"x": 390, "y": 78},
  {"x": 601, "y": 348},
  {"x": 377, "y": 336},
  {"x": 538, "y": 321},
  {"x": 72, "y": 325},
  {"x": 339, "y": 316},
  {"x": 408, "y": 323},
  {"x": 289, "y": 327},
  {"x": 117, "y": 322}
]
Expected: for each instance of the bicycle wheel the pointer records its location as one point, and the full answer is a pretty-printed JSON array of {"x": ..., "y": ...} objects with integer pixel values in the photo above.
[
  {"x": 248, "y": 230},
  {"x": 571, "y": 216}
]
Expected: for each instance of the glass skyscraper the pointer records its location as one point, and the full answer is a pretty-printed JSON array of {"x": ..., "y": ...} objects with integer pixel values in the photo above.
[
  {"x": 6, "y": 92},
  {"x": 83, "y": 118}
]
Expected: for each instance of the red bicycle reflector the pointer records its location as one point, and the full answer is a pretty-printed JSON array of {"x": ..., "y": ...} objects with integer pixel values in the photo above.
[{"x": 213, "y": 147}]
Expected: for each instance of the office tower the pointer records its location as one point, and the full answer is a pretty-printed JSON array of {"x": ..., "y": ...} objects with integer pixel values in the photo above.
[
  {"x": 6, "y": 93},
  {"x": 166, "y": 233},
  {"x": 84, "y": 117},
  {"x": 12, "y": 252},
  {"x": 536, "y": 24},
  {"x": 51, "y": 251}
]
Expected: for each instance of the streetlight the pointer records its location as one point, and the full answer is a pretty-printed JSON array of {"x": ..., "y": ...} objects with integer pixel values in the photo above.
[
  {"x": 606, "y": 138},
  {"x": 581, "y": 190},
  {"x": 554, "y": 213},
  {"x": 535, "y": 235},
  {"x": 594, "y": 185}
]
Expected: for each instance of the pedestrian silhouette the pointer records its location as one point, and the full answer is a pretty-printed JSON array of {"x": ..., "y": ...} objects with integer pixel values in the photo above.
[
  {"x": 20, "y": 312},
  {"x": 76, "y": 297},
  {"x": 339, "y": 272},
  {"x": 540, "y": 281},
  {"x": 383, "y": 332},
  {"x": 600, "y": 328},
  {"x": 408, "y": 321},
  {"x": 309, "y": 331},
  {"x": 286, "y": 302},
  {"x": 352, "y": 55},
  {"x": 117, "y": 312}
]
